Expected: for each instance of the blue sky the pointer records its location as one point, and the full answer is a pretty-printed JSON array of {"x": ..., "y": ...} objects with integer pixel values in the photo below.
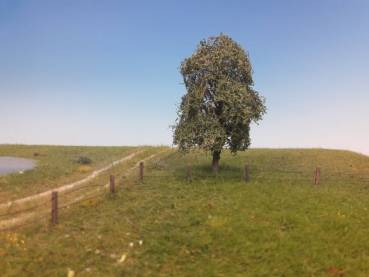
[{"x": 106, "y": 72}]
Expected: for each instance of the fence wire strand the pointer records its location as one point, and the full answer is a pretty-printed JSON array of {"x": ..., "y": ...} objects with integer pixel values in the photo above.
[
  {"x": 27, "y": 210},
  {"x": 124, "y": 181}
]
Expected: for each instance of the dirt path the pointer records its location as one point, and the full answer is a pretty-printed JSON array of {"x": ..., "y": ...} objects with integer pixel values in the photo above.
[
  {"x": 70, "y": 186},
  {"x": 23, "y": 217}
]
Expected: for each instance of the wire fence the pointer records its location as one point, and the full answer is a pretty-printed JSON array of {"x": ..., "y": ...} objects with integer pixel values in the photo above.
[{"x": 47, "y": 211}]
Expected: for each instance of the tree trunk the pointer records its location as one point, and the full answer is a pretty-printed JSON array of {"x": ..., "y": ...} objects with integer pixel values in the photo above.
[{"x": 216, "y": 158}]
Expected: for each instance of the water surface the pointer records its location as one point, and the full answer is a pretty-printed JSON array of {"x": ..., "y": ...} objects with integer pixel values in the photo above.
[{"x": 13, "y": 164}]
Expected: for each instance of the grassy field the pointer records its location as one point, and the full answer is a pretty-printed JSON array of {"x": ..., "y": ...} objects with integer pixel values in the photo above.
[
  {"x": 277, "y": 224},
  {"x": 56, "y": 165}
]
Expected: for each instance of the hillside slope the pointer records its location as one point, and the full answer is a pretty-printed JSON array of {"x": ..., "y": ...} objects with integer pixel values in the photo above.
[{"x": 278, "y": 223}]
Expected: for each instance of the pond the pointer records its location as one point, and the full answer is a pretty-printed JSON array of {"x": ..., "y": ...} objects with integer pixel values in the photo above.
[{"x": 13, "y": 164}]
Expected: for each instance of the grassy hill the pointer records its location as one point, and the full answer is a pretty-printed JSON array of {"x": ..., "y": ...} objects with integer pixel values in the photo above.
[
  {"x": 57, "y": 165},
  {"x": 276, "y": 224}
]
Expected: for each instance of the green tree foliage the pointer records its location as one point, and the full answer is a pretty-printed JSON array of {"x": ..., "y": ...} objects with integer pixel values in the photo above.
[{"x": 220, "y": 102}]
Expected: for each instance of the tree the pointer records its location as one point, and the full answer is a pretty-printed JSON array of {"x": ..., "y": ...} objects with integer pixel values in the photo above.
[{"x": 220, "y": 102}]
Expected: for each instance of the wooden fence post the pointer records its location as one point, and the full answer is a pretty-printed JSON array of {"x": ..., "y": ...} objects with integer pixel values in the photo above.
[
  {"x": 112, "y": 184},
  {"x": 54, "y": 207},
  {"x": 317, "y": 176},
  {"x": 246, "y": 173},
  {"x": 189, "y": 173},
  {"x": 141, "y": 171}
]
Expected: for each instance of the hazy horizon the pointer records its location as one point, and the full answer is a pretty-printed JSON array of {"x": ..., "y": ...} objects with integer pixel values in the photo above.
[{"x": 106, "y": 73}]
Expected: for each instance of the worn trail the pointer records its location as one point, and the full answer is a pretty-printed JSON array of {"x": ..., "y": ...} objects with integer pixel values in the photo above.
[
  {"x": 22, "y": 217},
  {"x": 69, "y": 186}
]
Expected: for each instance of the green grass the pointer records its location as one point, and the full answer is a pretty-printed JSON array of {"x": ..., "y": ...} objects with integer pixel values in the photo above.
[
  {"x": 56, "y": 165},
  {"x": 278, "y": 224}
]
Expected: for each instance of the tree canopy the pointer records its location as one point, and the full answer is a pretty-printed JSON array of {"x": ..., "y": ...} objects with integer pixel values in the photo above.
[{"x": 220, "y": 102}]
